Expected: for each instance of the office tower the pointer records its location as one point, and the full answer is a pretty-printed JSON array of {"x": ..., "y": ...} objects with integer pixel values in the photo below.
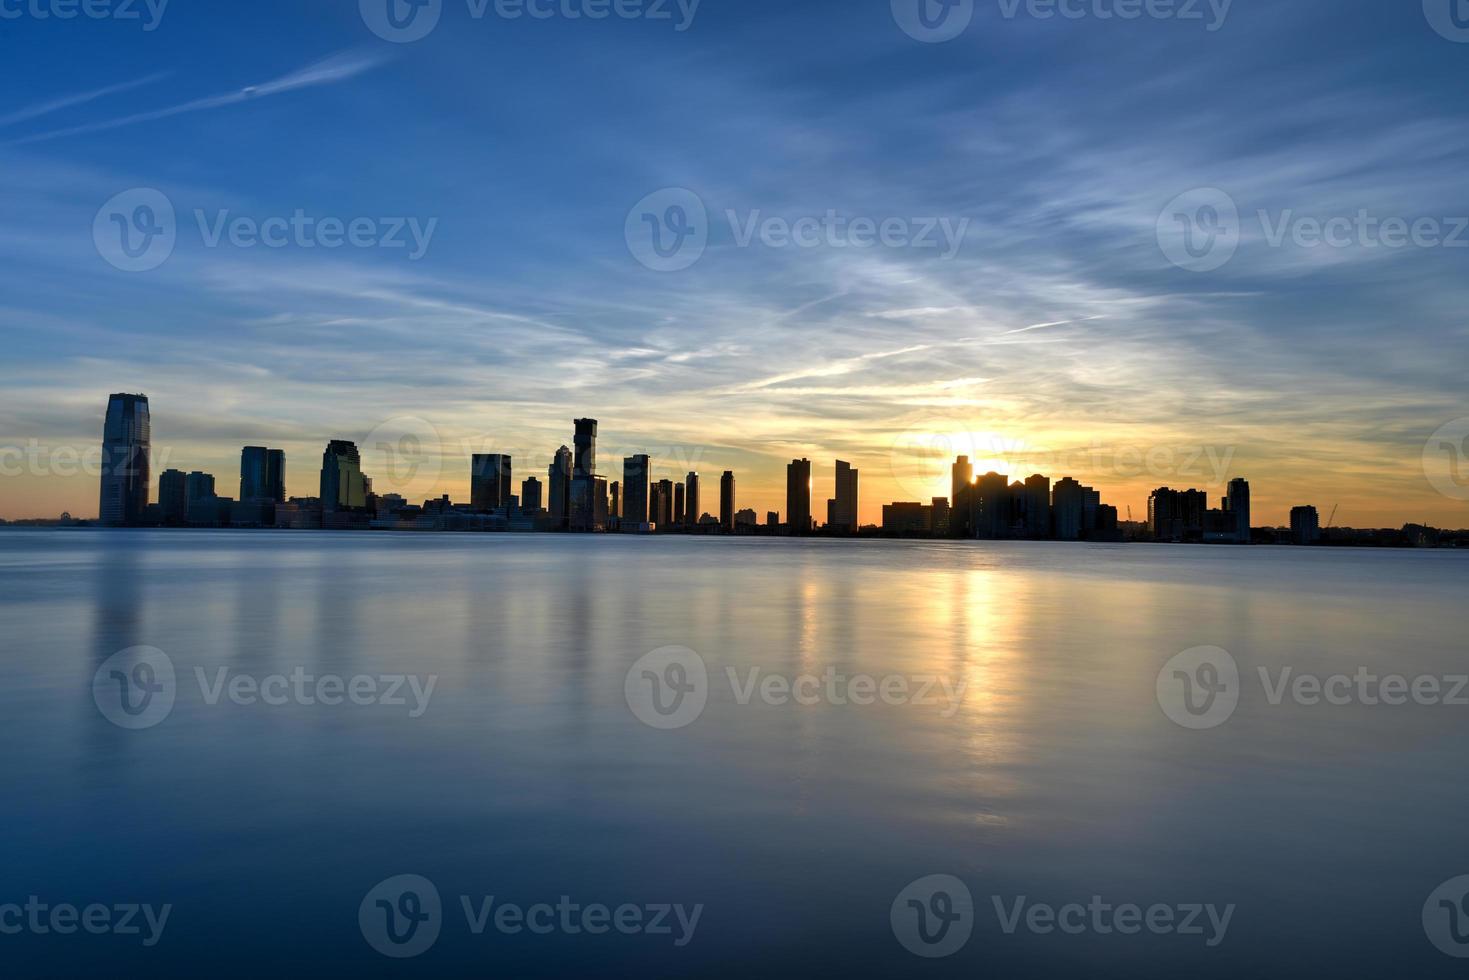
[
  {"x": 663, "y": 499},
  {"x": 680, "y": 516},
  {"x": 559, "y": 494},
  {"x": 126, "y": 462},
  {"x": 262, "y": 474},
  {"x": 691, "y": 500},
  {"x": 961, "y": 502},
  {"x": 530, "y": 495},
  {"x": 772, "y": 519},
  {"x": 1068, "y": 507},
  {"x": 586, "y": 447},
  {"x": 1178, "y": 515},
  {"x": 588, "y": 503},
  {"x": 198, "y": 486},
  {"x": 844, "y": 509},
  {"x": 941, "y": 515},
  {"x": 1091, "y": 501},
  {"x": 1237, "y": 505},
  {"x": 798, "y": 496},
  {"x": 1038, "y": 506},
  {"x": 727, "y": 501},
  {"x": 1305, "y": 525},
  {"x": 343, "y": 486},
  {"x": 636, "y": 472},
  {"x": 490, "y": 482},
  {"x": 990, "y": 506},
  {"x": 173, "y": 496},
  {"x": 614, "y": 506}
]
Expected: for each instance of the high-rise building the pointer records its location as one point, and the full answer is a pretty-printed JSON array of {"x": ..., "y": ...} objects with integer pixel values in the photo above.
[
  {"x": 746, "y": 517},
  {"x": 558, "y": 476},
  {"x": 798, "y": 496},
  {"x": 1305, "y": 525},
  {"x": 343, "y": 485},
  {"x": 691, "y": 500},
  {"x": 680, "y": 514},
  {"x": 636, "y": 473},
  {"x": 727, "y": 501},
  {"x": 614, "y": 506},
  {"x": 262, "y": 474},
  {"x": 530, "y": 495},
  {"x": 961, "y": 503},
  {"x": 1177, "y": 515},
  {"x": 490, "y": 482},
  {"x": 198, "y": 486},
  {"x": 126, "y": 460},
  {"x": 586, "y": 447},
  {"x": 1068, "y": 509},
  {"x": 941, "y": 514},
  {"x": 1038, "y": 506},
  {"x": 844, "y": 505},
  {"x": 173, "y": 496},
  {"x": 1237, "y": 505},
  {"x": 772, "y": 519},
  {"x": 588, "y": 503},
  {"x": 662, "y": 504},
  {"x": 990, "y": 506}
]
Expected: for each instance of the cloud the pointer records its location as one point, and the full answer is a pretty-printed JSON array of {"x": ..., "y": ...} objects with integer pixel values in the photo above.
[
  {"x": 329, "y": 71},
  {"x": 78, "y": 98}
]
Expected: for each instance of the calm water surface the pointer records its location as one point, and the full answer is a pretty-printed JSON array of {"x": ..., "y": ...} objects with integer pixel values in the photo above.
[{"x": 528, "y": 777}]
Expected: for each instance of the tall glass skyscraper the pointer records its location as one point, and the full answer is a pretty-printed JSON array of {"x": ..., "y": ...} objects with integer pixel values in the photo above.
[
  {"x": 798, "y": 496},
  {"x": 126, "y": 437},
  {"x": 262, "y": 474},
  {"x": 637, "y": 470},
  {"x": 490, "y": 486},
  {"x": 343, "y": 487}
]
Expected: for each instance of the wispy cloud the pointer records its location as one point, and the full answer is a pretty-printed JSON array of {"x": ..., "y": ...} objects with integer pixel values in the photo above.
[
  {"x": 337, "y": 68},
  {"x": 78, "y": 98}
]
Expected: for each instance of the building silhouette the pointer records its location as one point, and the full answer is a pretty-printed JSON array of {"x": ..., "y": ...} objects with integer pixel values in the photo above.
[
  {"x": 126, "y": 460},
  {"x": 198, "y": 486},
  {"x": 585, "y": 441},
  {"x": 530, "y": 495},
  {"x": 558, "y": 477},
  {"x": 262, "y": 474},
  {"x": 343, "y": 485},
  {"x": 491, "y": 484},
  {"x": 1037, "y": 507},
  {"x": 680, "y": 513},
  {"x": 961, "y": 500},
  {"x": 727, "y": 502},
  {"x": 662, "y": 504},
  {"x": 843, "y": 509},
  {"x": 1237, "y": 505},
  {"x": 798, "y": 496},
  {"x": 637, "y": 471},
  {"x": 1305, "y": 525},
  {"x": 173, "y": 496},
  {"x": 691, "y": 499}
]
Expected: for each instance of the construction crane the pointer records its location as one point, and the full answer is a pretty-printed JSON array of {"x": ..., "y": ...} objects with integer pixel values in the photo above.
[{"x": 1332, "y": 519}]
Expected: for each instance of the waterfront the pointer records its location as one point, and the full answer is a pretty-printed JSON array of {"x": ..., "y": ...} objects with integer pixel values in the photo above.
[{"x": 1054, "y": 775}]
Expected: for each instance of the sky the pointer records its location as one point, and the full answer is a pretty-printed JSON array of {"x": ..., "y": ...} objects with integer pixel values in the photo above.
[{"x": 1053, "y": 237}]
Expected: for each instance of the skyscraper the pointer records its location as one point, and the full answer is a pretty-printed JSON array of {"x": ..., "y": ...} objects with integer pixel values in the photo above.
[
  {"x": 343, "y": 486},
  {"x": 614, "y": 495},
  {"x": 844, "y": 510},
  {"x": 1038, "y": 506},
  {"x": 198, "y": 486},
  {"x": 798, "y": 496},
  {"x": 1305, "y": 525},
  {"x": 1237, "y": 505},
  {"x": 636, "y": 472},
  {"x": 691, "y": 500},
  {"x": 990, "y": 506},
  {"x": 586, "y": 447},
  {"x": 173, "y": 498},
  {"x": 559, "y": 478},
  {"x": 961, "y": 502},
  {"x": 1068, "y": 506},
  {"x": 126, "y": 460},
  {"x": 661, "y": 504},
  {"x": 680, "y": 515},
  {"x": 530, "y": 495},
  {"x": 490, "y": 482},
  {"x": 727, "y": 501},
  {"x": 262, "y": 474}
]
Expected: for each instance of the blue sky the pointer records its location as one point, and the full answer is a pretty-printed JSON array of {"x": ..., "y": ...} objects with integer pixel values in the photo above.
[{"x": 1057, "y": 337}]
